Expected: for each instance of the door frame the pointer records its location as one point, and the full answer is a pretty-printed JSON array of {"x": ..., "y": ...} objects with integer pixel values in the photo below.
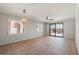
[{"x": 55, "y": 29}]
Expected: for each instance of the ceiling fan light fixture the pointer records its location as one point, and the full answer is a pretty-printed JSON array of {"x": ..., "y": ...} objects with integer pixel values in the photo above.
[{"x": 23, "y": 18}]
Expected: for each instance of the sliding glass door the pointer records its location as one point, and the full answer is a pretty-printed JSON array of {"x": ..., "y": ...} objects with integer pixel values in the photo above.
[
  {"x": 56, "y": 29},
  {"x": 52, "y": 29}
]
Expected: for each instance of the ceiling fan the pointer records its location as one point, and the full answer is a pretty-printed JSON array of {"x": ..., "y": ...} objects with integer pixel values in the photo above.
[
  {"x": 49, "y": 19},
  {"x": 24, "y": 18}
]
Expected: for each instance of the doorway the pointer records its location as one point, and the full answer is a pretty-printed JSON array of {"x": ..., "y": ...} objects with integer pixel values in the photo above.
[{"x": 56, "y": 29}]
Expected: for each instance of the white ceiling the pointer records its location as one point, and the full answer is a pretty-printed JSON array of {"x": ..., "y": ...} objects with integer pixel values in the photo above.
[{"x": 38, "y": 11}]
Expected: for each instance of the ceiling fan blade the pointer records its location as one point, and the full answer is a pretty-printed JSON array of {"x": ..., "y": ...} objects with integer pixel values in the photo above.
[{"x": 51, "y": 19}]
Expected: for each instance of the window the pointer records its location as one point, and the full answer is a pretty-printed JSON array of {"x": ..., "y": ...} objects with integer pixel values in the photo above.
[
  {"x": 15, "y": 27},
  {"x": 39, "y": 27}
]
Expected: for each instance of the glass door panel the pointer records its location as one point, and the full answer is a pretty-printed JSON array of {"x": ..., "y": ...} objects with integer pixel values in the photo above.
[
  {"x": 59, "y": 29},
  {"x": 52, "y": 29}
]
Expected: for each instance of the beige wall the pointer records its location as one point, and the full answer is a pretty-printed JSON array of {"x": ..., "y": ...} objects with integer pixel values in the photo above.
[
  {"x": 77, "y": 27},
  {"x": 29, "y": 30},
  {"x": 69, "y": 28}
]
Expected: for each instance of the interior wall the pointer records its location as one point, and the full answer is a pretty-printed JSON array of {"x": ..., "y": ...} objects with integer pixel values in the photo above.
[
  {"x": 29, "y": 30},
  {"x": 47, "y": 29},
  {"x": 69, "y": 28},
  {"x": 77, "y": 27}
]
